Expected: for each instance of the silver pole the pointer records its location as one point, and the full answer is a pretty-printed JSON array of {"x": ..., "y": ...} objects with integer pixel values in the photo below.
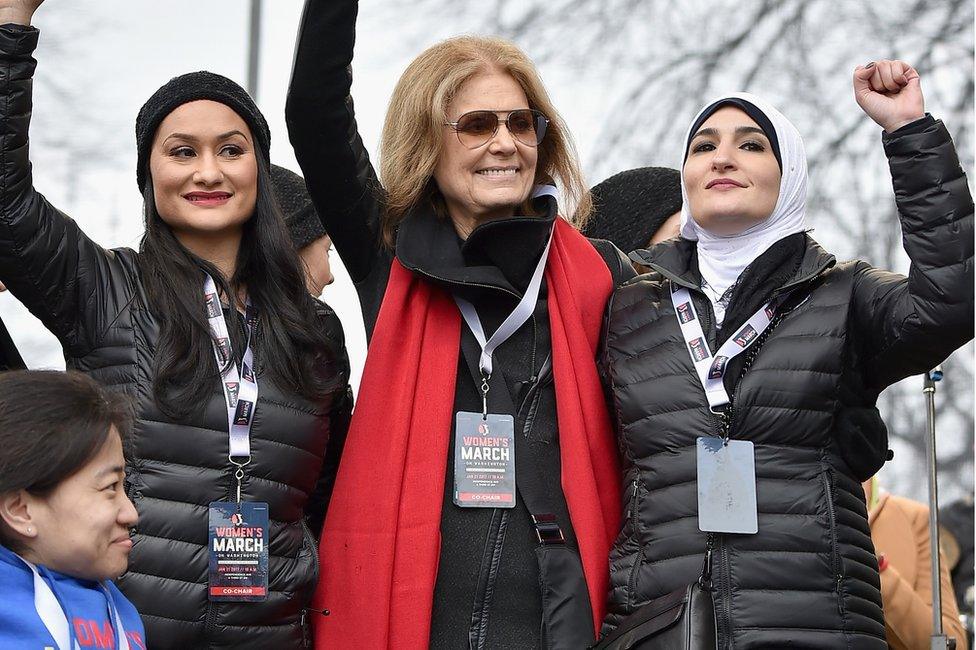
[
  {"x": 254, "y": 50},
  {"x": 939, "y": 639}
]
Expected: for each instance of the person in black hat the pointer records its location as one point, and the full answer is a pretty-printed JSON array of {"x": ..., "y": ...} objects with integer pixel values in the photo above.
[
  {"x": 307, "y": 233},
  {"x": 637, "y": 208},
  {"x": 239, "y": 377}
]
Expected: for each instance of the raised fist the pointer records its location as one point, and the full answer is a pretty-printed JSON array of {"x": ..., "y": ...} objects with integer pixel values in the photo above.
[{"x": 889, "y": 92}]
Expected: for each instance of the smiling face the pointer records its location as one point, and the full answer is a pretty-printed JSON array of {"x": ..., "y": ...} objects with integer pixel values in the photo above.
[
  {"x": 81, "y": 529},
  {"x": 731, "y": 175},
  {"x": 490, "y": 181},
  {"x": 204, "y": 170}
]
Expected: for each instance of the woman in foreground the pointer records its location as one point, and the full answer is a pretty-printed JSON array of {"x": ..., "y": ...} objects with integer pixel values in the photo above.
[
  {"x": 64, "y": 515},
  {"x": 238, "y": 375}
]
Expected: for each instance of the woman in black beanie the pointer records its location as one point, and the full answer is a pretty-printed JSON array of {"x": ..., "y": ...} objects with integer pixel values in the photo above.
[{"x": 240, "y": 379}]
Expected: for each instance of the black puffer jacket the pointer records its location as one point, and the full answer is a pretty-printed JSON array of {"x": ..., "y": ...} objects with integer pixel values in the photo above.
[
  {"x": 10, "y": 358},
  {"x": 487, "y": 593},
  {"x": 809, "y": 577},
  {"x": 93, "y": 301}
]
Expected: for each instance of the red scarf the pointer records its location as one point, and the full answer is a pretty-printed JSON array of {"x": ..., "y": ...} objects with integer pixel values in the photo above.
[{"x": 381, "y": 540}]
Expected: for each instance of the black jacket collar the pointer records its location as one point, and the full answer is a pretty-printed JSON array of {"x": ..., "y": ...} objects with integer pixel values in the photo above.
[
  {"x": 676, "y": 260},
  {"x": 498, "y": 255}
]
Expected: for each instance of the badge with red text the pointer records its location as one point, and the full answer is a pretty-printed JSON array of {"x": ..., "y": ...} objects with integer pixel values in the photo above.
[
  {"x": 484, "y": 461},
  {"x": 238, "y": 550}
]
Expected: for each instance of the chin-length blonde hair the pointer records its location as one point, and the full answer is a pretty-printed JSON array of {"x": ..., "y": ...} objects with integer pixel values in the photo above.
[{"x": 414, "y": 130}]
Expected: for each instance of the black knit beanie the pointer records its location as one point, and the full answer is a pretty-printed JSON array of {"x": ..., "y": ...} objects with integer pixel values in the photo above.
[
  {"x": 189, "y": 88},
  {"x": 302, "y": 220},
  {"x": 629, "y": 207}
]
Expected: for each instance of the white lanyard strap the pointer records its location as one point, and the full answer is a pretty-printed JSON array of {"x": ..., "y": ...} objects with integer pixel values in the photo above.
[
  {"x": 522, "y": 312},
  {"x": 51, "y": 613},
  {"x": 711, "y": 368},
  {"x": 240, "y": 386}
]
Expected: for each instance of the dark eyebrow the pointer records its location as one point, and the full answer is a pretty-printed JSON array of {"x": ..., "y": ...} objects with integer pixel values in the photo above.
[
  {"x": 193, "y": 138},
  {"x": 745, "y": 130},
  {"x": 739, "y": 130},
  {"x": 117, "y": 469},
  {"x": 706, "y": 131},
  {"x": 224, "y": 136}
]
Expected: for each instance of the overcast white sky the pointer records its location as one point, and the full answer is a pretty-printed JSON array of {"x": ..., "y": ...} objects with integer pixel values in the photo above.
[{"x": 119, "y": 51}]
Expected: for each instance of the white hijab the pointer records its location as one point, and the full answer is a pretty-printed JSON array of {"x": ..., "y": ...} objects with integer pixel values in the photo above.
[{"x": 722, "y": 259}]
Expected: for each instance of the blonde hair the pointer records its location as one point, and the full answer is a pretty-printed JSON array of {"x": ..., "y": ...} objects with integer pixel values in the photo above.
[{"x": 414, "y": 128}]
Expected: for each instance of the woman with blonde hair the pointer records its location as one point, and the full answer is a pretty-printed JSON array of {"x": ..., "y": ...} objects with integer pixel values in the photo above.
[{"x": 474, "y": 506}]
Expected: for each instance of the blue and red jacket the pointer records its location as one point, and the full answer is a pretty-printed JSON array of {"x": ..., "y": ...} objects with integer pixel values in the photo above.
[{"x": 89, "y": 608}]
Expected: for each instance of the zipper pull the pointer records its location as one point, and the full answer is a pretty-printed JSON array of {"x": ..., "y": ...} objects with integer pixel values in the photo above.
[
  {"x": 705, "y": 579},
  {"x": 633, "y": 498}
]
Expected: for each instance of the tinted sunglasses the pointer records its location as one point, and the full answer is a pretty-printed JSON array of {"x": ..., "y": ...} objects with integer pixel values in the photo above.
[{"x": 476, "y": 128}]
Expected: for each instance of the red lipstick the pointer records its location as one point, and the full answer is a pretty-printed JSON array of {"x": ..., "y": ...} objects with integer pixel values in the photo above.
[{"x": 207, "y": 199}]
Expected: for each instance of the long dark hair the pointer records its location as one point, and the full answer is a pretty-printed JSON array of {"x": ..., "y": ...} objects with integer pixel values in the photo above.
[{"x": 292, "y": 342}]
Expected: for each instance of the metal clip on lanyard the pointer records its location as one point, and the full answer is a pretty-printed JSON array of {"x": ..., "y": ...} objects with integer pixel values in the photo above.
[
  {"x": 484, "y": 395},
  {"x": 239, "y": 475},
  {"x": 522, "y": 312},
  {"x": 240, "y": 385}
]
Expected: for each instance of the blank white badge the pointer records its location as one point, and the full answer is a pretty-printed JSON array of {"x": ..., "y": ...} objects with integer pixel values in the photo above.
[{"x": 727, "y": 486}]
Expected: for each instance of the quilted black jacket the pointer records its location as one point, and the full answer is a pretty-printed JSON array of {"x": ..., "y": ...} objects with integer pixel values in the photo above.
[
  {"x": 92, "y": 299},
  {"x": 809, "y": 578}
]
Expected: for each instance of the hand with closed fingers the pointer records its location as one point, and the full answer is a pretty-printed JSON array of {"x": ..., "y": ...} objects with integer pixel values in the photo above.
[{"x": 889, "y": 93}]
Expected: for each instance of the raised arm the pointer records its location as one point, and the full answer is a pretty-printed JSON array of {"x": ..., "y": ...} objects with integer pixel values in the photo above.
[
  {"x": 908, "y": 325},
  {"x": 322, "y": 129},
  {"x": 45, "y": 259}
]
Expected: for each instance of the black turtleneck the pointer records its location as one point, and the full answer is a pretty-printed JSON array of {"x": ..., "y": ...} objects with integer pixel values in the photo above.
[{"x": 496, "y": 260}]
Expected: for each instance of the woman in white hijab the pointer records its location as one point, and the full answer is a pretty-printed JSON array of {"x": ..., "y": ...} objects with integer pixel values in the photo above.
[{"x": 736, "y": 363}]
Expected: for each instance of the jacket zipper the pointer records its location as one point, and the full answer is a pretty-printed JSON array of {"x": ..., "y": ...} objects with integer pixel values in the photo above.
[
  {"x": 727, "y": 422},
  {"x": 482, "y": 602},
  {"x": 303, "y": 620},
  {"x": 484, "y": 606},
  {"x": 639, "y": 560},
  {"x": 832, "y": 524},
  {"x": 210, "y": 620}
]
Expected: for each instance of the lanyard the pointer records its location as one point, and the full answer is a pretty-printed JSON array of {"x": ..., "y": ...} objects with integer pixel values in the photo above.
[
  {"x": 711, "y": 368},
  {"x": 522, "y": 312},
  {"x": 51, "y": 613},
  {"x": 240, "y": 386}
]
